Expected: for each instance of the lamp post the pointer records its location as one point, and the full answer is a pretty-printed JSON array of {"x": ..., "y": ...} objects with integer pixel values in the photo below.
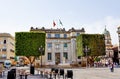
[
  {"x": 86, "y": 50},
  {"x": 41, "y": 49}
]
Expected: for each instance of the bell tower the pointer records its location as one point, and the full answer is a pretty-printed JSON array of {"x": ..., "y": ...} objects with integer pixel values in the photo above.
[{"x": 108, "y": 44}]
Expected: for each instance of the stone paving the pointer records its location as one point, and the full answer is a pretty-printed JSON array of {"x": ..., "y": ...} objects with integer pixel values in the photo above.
[
  {"x": 83, "y": 73},
  {"x": 96, "y": 73}
]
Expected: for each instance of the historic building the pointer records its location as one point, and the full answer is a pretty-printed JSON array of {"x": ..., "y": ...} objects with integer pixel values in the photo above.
[
  {"x": 7, "y": 46},
  {"x": 115, "y": 58},
  {"x": 118, "y": 31},
  {"x": 60, "y": 44},
  {"x": 108, "y": 44},
  {"x": 119, "y": 38}
]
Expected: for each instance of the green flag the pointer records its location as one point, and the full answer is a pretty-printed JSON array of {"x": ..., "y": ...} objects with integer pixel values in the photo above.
[{"x": 60, "y": 22}]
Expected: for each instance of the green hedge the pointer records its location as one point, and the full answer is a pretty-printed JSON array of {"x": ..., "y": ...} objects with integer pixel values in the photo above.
[
  {"x": 95, "y": 42},
  {"x": 28, "y": 43}
]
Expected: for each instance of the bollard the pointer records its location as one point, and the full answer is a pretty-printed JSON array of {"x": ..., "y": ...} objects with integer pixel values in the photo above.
[
  {"x": 61, "y": 73},
  {"x": 14, "y": 72},
  {"x": 26, "y": 76},
  {"x": 20, "y": 76},
  {"x": 50, "y": 75},
  {"x": 69, "y": 74},
  {"x": 32, "y": 70},
  {"x": 10, "y": 75}
]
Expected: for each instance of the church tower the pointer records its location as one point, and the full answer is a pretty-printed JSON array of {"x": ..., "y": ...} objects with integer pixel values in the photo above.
[{"x": 108, "y": 44}]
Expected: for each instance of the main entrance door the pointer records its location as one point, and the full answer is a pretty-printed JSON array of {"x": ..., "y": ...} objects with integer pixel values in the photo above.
[{"x": 57, "y": 58}]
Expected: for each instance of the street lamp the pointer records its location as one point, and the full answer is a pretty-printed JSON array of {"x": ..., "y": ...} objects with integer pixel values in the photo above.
[
  {"x": 86, "y": 50},
  {"x": 41, "y": 49}
]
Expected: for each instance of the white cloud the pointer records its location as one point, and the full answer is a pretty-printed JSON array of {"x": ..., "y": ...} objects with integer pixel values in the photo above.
[{"x": 99, "y": 26}]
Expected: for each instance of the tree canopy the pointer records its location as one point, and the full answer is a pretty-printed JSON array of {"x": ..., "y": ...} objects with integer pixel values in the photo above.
[
  {"x": 94, "y": 42},
  {"x": 28, "y": 43}
]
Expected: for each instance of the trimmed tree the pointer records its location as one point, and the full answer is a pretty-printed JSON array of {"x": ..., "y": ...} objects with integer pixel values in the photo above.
[
  {"x": 28, "y": 43},
  {"x": 94, "y": 42}
]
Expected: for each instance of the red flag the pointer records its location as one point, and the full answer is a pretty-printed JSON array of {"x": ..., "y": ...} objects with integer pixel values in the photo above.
[{"x": 54, "y": 24}]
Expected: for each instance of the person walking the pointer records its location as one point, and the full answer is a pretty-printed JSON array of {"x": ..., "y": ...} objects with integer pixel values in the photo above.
[{"x": 112, "y": 67}]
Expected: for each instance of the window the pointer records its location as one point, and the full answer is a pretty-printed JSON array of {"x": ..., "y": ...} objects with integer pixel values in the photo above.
[
  {"x": 4, "y": 50},
  {"x": 49, "y": 45},
  {"x": 3, "y": 56},
  {"x": 57, "y": 35},
  {"x": 65, "y": 54},
  {"x": 65, "y": 44},
  {"x": 4, "y": 42},
  {"x": 65, "y": 35},
  {"x": 49, "y": 56},
  {"x": 49, "y": 35},
  {"x": 11, "y": 50},
  {"x": 57, "y": 46}
]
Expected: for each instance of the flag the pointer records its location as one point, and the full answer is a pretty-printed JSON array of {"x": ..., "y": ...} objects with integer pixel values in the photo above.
[
  {"x": 60, "y": 22},
  {"x": 54, "y": 24}
]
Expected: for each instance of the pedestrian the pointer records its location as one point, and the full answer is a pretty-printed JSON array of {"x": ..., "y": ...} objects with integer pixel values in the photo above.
[{"x": 112, "y": 67}]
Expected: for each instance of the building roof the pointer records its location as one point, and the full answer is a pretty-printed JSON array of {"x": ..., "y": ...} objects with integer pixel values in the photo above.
[
  {"x": 6, "y": 35},
  {"x": 106, "y": 32},
  {"x": 58, "y": 30}
]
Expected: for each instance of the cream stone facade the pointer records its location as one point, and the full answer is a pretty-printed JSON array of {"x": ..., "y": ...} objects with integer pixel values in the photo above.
[
  {"x": 60, "y": 45},
  {"x": 7, "y": 46},
  {"x": 118, "y": 31},
  {"x": 108, "y": 44}
]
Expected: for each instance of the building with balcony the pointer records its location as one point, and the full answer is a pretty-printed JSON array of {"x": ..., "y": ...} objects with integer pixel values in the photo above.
[
  {"x": 7, "y": 46},
  {"x": 60, "y": 44}
]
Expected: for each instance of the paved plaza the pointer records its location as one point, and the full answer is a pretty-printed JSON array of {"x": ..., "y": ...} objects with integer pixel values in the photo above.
[
  {"x": 83, "y": 73},
  {"x": 96, "y": 73}
]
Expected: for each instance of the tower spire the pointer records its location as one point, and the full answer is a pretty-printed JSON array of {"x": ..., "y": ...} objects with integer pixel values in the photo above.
[{"x": 105, "y": 27}]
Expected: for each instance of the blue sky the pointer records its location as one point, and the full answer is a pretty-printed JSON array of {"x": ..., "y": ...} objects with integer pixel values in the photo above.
[{"x": 93, "y": 15}]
